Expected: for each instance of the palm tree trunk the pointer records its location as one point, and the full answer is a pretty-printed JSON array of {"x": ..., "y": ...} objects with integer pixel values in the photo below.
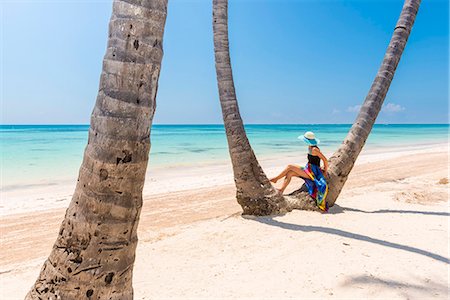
[
  {"x": 342, "y": 161},
  {"x": 94, "y": 253},
  {"x": 254, "y": 192}
]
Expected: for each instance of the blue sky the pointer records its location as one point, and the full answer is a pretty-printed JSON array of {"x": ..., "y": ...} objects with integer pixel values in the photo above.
[{"x": 293, "y": 61}]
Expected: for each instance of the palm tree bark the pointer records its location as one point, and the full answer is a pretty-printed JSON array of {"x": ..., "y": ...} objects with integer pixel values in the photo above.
[
  {"x": 254, "y": 192},
  {"x": 343, "y": 160},
  {"x": 94, "y": 253}
]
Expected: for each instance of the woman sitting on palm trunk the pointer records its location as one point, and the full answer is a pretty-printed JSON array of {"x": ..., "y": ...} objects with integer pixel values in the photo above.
[{"x": 312, "y": 173}]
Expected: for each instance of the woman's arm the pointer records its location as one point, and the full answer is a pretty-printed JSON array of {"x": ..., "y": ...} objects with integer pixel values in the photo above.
[{"x": 317, "y": 152}]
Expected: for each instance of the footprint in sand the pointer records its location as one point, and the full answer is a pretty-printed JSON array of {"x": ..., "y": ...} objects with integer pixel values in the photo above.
[
  {"x": 421, "y": 196},
  {"x": 443, "y": 180}
]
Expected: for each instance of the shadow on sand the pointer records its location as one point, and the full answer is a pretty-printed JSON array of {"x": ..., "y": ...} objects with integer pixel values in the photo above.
[
  {"x": 400, "y": 286},
  {"x": 336, "y": 209},
  {"x": 333, "y": 231}
]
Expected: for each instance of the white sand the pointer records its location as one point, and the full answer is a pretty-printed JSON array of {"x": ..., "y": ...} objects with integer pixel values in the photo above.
[{"x": 387, "y": 237}]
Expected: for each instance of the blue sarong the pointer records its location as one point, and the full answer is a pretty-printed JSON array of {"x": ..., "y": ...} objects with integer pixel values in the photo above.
[{"x": 317, "y": 185}]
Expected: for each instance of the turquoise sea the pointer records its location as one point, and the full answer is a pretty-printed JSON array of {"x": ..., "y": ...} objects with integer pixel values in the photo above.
[{"x": 32, "y": 154}]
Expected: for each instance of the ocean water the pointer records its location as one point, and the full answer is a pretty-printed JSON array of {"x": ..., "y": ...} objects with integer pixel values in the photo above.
[{"x": 37, "y": 154}]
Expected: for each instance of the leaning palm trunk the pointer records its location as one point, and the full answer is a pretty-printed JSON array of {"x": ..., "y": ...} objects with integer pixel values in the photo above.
[
  {"x": 254, "y": 192},
  {"x": 342, "y": 161},
  {"x": 94, "y": 253}
]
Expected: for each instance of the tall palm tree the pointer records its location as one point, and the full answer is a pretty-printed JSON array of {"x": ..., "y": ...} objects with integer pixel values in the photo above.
[
  {"x": 343, "y": 160},
  {"x": 341, "y": 163},
  {"x": 94, "y": 253},
  {"x": 254, "y": 192}
]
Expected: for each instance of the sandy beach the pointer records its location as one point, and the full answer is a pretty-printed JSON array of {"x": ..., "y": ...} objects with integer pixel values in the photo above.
[
  {"x": 130, "y": 129},
  {"x": 387, "y": 237}
]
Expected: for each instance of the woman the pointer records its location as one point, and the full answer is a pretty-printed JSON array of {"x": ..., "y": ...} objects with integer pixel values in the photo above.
[{"x": 312, "y": 173}]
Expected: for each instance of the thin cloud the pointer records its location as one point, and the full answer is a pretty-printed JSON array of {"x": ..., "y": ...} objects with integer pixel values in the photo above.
[
  {"x": 335, "y": 111},
  {"x": 392, "y": 108},
  {"x": 389, "y": 108},
  {"x": 355, "y": 108}
]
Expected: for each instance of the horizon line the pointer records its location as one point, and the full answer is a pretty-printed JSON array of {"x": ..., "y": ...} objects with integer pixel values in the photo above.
[{"x": 193, "y": 124}]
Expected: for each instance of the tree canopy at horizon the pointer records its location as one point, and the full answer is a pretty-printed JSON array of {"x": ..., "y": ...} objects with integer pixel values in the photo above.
[{"x": 290, "y": 58}]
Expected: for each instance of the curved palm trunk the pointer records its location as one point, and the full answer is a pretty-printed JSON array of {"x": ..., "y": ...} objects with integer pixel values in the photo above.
[
  {"x": 254, "y": 192},
  {"x": 94, "y": 253},
  {"x": 342, "y": 161}
]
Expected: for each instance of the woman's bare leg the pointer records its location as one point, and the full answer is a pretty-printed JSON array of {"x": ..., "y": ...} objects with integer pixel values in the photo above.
[
  {"x": 282, "y": 174},
  {"x": 287, "y": 180},
  {"x": 291, "y": 168}
]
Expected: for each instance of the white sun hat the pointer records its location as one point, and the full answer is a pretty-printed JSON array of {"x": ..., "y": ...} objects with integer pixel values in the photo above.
[{"x": 310, "y": 138}]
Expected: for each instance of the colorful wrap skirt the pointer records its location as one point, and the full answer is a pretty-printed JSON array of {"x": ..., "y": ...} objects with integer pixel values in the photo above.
[{"x": 317, "y": 185}]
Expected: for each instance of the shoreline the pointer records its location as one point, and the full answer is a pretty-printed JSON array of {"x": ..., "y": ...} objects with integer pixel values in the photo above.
[{"x": 174, "y": 178}]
